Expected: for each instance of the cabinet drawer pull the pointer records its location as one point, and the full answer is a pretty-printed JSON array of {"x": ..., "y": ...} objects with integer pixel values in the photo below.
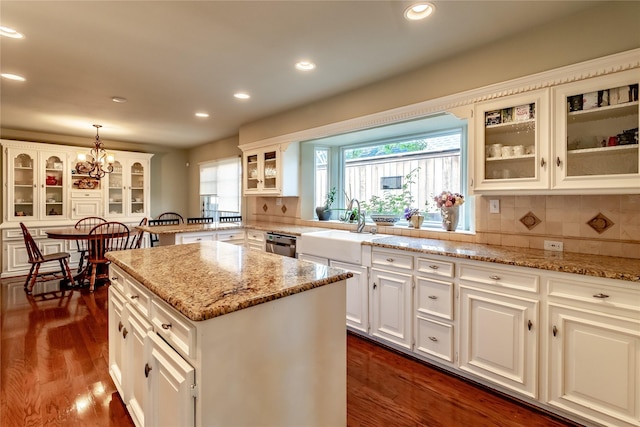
[
  {"x": 601, "y": 296},
  {"x": 433, "y": 297},
  {"x": 389, "y": 259},
  {"x": 555, "y": 330},
  {"x": 494, "y": 277},
  {"x": 529, "y": 324},
  {"x": 120, "y": 325},
  {"x": 542, "y": 162},
  {"x": 558, "y": 161},
  {"x": 114, "y": 279},
  {"x": 147, "y": 369},
  {"x": 166, "y": 325},
  {"x": 434, "y": 339},
  {"x": 125, "y": 333},
  {"x": 134, "y": 297},
  {"x": 375, "y": 286},
  {"x": 434, "y": 267}
]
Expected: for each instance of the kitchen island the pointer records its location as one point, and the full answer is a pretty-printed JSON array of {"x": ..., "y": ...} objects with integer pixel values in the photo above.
[{"x": 213, "y": 334}]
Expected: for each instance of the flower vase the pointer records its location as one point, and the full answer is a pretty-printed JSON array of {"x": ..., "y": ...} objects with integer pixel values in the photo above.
[
  {"x": 450, "y": 217},
  {"x": 416, "y": 221}
]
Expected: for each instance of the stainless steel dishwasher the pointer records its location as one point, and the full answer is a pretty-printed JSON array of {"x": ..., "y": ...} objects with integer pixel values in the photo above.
[{"x": 281, "y": 244}]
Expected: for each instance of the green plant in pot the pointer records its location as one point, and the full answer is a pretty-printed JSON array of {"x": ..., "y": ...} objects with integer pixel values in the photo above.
[
  {"x": 389, "y": 208},
  {"x": 324, "y": 212}
]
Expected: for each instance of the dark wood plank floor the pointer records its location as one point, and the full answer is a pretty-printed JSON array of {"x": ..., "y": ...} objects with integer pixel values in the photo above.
[{"x": 54, "y": 356}]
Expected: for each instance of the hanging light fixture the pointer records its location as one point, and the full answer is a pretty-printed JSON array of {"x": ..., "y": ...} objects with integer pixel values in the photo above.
[{"x": 101, "y": 162}]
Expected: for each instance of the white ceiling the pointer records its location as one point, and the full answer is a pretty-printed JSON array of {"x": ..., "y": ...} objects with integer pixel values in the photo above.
[{"x": 173, "y": 58}]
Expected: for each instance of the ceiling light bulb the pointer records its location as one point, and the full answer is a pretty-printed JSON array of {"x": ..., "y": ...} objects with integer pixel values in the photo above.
[
  {"x": 242, "y": 95},
  {"x": 13, "y": 77},
  {"x": 305, "y": 66},
  {"x": 203, "y": 115},
  {"x": 10, "y": 32},
  {"x": 419, "y": 11}
]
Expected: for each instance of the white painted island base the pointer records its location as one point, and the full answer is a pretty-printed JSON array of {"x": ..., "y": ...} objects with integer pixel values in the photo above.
[{"x": 280, "y": 363}]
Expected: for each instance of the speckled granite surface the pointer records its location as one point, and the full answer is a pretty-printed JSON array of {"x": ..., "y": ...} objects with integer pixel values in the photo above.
[
  {"x": 220, "y": 278},
  {"x": 188, "y": 228},
  {"x": 567, "y": 262}
]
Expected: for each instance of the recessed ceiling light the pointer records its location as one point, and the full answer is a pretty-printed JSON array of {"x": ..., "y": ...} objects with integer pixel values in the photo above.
[
  {"x": 242, "y": 95},
  {"x": 119, "y": 99},
  {"x": 305, "y": 66},
  {"x": 203, "y": 115},
  {"x": 418, "y": 11},
  {"x": 10, "y": 32},
  {"x": 13, "y": 77}
]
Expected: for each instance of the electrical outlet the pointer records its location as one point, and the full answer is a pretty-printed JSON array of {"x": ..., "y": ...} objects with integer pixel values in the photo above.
[
  {"x": 551, "y": 245},
  {"x": 494, "y": 206}
]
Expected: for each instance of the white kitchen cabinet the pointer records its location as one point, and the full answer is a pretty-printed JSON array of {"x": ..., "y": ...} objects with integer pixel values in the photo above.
[
  {"x": 255, "y": 240},
  {"x": 271, "y": 170},
  {"x": 36, "y": 183},
  {"x": 499, "y": 313},
  {"x": 512, "y": 142},
  {"x": 593, "y": 339},
  {"x": 391, "y": 306},
  {"x": 596, "y": 133},
  {"x": 234, "y": 237},
  {"x": 116, "y": 338},
  {"x": 127, "y": 193},
  {"x": 357, "y": 296}
]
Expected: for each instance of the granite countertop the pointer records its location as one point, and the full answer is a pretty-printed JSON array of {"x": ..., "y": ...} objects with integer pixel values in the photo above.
[
  {"x": 188, "y": 228},
  {"x": 566, "y": 262},
  {"x": 220, "y": 278}
]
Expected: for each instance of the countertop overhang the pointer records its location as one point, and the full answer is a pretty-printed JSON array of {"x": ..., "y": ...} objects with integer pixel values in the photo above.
[{"x": 209, "y": 279}]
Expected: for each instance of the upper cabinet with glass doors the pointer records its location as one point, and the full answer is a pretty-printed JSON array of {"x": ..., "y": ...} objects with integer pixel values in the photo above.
[
  {"x": 512, "y": 135},
  {"x": 128, "y": 185},
  {"x": 271, "y": 171},
  {"x": 596, "y": 133},
  {"x": 36, "y": 184}
]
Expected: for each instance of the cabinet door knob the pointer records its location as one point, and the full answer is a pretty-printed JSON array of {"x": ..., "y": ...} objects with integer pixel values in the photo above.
[
  {"x": 558, "y": 161},
  {"x": 120, "y": 325},
  {"x": 542, "y": 162},
  {"x": 555, "y": 330},
  {"x": 433, "y": 297},
  {"x": 166, "y": 325},
  {"x": 494, "y": 277},
  {"x": 375, "y": 286},
  {"x": 389, "y": 259},
  {"x": 601, "y": 296},
  {"x": 125, "y": 333},
  {"x": 434, "y": 267},
  {"x": 529, "y": 324},
  {"x": 147, "y": 369},
  {"x": 134, "y": 297},
  {"x": 434, "y": 339}
]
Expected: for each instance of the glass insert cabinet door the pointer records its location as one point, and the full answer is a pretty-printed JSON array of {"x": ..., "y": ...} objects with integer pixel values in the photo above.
[
  {"x": 597, "y": 135},
  {"x": 54, "y": 184},
  {"x": 270, "y": 170},
  {"x": 137, "y": 188},
  {"x": 24, "y": 185},
  {"x": 116, "y": 196}
]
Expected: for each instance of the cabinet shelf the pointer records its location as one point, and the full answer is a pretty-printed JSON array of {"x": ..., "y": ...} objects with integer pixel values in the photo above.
[
  {"x": 602, "y": 113},
  {"x": 605, "y": 150},
  {"x": 515, "y": 126},
  {"x": 505, "y": 159}
]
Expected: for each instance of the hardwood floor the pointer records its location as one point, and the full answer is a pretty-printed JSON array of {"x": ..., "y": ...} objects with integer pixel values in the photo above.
[{"x": 54, "y": 356}]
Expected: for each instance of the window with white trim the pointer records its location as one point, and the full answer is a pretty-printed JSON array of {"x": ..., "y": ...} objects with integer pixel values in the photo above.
[{"x": 221, "y": 180}]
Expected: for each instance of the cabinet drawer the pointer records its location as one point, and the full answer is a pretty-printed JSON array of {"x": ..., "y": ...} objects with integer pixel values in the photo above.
[
  {"x": 254, "y": 236},
  {"x": 195, "y": 237},
  {"x": 224, "y": 236},
  {"x": 116, "y": 277},
  {"x": 434, "y": 339},
  {"x": 434, "y": 267},
  {"x": 434, "y": 298},
  {"x": 500, "y": 277},
  {"x": 591, "y": 292},
  {"x": 171, "y": 326},
  {"x": 86, "y": 194},
  {"x": 392, "y": 259},
  {"x": 138, "y": 296}
]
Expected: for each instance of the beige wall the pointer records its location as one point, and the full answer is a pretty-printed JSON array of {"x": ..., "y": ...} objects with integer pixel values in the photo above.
[{"x": 169, "y": 184}]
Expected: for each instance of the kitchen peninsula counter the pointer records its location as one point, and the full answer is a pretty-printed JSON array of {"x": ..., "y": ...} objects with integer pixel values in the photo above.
[{"x": 210, "y": 279}]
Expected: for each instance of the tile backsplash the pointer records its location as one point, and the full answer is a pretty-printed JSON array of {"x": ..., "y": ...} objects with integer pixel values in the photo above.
[{"x": 600, "y": 225}]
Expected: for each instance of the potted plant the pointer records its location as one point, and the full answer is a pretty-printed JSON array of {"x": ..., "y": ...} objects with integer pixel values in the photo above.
[
  {"x": 324, "y": 212},
  {"x": 389, "y": 208}
]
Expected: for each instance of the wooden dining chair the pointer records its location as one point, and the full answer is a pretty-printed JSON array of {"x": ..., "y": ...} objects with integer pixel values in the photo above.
[
  {"x": 86, "y": 223},
  {"x": 201, "y": 220},
  {"x": 103, "y": 238},
  {"x": 154, "y": 239},
  {"x": 136, "y": 239},
  {"x": 36, "y": 259},
  {"x": 171, "y": 215}
]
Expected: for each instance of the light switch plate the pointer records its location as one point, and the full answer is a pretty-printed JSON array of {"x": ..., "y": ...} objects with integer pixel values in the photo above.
[{"x": 494, "y": 206}]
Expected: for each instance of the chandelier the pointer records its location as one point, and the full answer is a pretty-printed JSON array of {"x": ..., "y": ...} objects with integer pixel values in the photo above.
[{"x": 100, "y": 162}]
